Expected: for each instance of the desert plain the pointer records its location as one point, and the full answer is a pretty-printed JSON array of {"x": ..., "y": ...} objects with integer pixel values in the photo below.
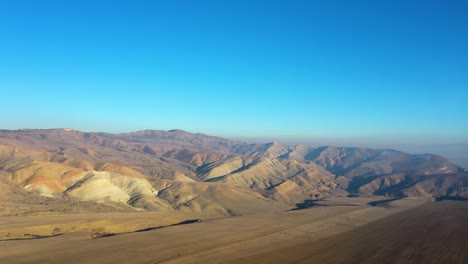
[{"x": 339, "y": 230}]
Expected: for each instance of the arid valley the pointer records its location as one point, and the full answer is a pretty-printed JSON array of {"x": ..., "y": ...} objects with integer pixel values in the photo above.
[
  {"x": 177, "y": 197},
  {"x": 232, "y": 131}
]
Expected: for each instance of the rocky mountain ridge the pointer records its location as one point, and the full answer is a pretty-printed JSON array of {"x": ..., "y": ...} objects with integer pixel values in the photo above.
[{"x": 178, "y": 170}]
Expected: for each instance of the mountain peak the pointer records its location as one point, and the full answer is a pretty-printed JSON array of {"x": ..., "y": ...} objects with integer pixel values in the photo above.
[
  {"x": 275, "y": 144},
  {"x": 177, "y": 131}
]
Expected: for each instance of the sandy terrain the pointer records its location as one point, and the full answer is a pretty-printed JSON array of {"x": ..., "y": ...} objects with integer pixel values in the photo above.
[
  {"x": 432, "y": 233},
  {"x": 345, "y": 231}
]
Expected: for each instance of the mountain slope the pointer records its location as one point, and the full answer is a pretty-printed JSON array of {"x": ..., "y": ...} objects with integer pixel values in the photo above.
[
  {"x": 352, "y": 162},
  {"x": 178, "y": 170},
  {"x": 435, "y": 185}
]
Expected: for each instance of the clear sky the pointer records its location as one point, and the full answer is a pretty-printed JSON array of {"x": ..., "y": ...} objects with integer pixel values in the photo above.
[{"x": 256, "y": 69}]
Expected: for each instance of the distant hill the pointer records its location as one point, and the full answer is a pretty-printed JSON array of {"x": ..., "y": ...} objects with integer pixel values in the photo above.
[{"x": 457, "y": 153}]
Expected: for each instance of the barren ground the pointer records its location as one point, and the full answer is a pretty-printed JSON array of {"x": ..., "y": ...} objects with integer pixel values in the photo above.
[{"x": 346, "y": 230}]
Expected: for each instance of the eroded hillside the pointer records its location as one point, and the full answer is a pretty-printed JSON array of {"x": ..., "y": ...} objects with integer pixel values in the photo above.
[{"x": 180, "y": 171}]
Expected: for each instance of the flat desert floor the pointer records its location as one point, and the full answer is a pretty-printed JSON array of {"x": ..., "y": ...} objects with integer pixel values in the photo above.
[{"x": 342, "y": 230}]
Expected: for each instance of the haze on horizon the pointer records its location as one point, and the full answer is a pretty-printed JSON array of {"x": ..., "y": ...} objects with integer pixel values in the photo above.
[
  {"x": 234, "y": 131},
  {"x": 373, "y": 74}
]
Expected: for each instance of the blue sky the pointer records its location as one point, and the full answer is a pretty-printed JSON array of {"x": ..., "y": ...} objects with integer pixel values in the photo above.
[{"x": 367, "y": 70}]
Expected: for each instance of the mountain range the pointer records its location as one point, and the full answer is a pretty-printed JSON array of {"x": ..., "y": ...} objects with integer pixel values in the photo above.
[{"x": 175, "y": 170}]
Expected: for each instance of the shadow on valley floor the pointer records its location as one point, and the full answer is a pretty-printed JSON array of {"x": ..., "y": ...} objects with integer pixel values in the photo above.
[
  {"x": 385, "y": 202},
  {"x": 104, "y": 234},
  {"x": 451, "y": 198},
  {"x": 307, "y": 204},
  {"x": 30, "y": 237}
]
